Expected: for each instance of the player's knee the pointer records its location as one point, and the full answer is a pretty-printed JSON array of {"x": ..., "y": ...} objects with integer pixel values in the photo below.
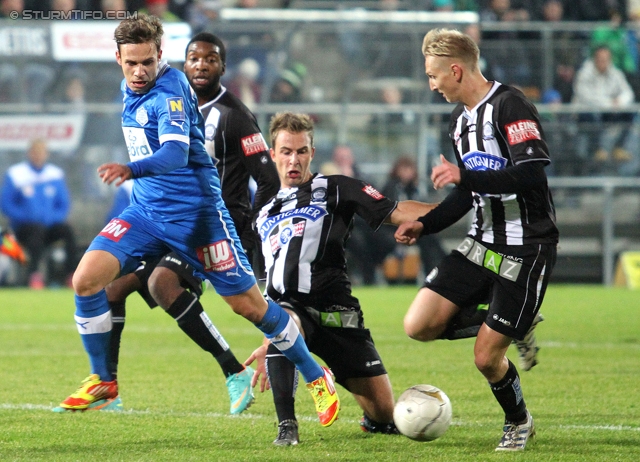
[
  {"x": 84, "y": 285},
  {"x": 486, "y": 363},
  {"x": 164, "y": 286},
  {"x": 419, "y": 331}
]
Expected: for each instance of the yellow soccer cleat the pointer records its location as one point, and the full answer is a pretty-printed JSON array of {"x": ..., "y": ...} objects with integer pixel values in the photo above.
[
  {"x": 325, "y": 397},
  {"x": 93, "y": 389}
]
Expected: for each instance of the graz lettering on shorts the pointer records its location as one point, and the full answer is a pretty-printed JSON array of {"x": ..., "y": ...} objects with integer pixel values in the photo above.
[
  {"x": 115, "y": 229},
  {"x": 310, "y": 212},
  {"x": 502, "y": 265},
  {"x": 340, "y": 316},
  {"x": 216, "y": 257}
]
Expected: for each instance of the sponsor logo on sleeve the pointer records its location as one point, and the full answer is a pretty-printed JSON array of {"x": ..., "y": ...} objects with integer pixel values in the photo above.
[
  {"x": 373, "y": 192},
  {"x": 216, "y": 257},
  {"x": 115, "y": 229},
  {"x": 521, "y": 131},
  {"x": 253, "y": 144},
  {"x": 175, "y": 105}
]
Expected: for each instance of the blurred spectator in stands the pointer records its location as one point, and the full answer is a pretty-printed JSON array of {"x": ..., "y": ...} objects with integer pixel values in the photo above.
[
  {"x": 7, "y": 6},
  {"x": 603, "y": 88},
  {"x": 509, "y": 63},
  {"x": 201, "y": 13},
  {"x": 402, "y": 185},
  {"x": 159, "y": 9},
  {"x": 362, "y": 255},
  {"x": 620, "y": 40},
  {"x": 36, "y": 200},
  {"x": 633, "y": 10},
  {"x": 289, "y": 86},
  {"x": 590, "y": 10},
  {"x": 244, "y": 83},
  {"x": 112, "y": 6},
  {"x": 71, "y": 8}
]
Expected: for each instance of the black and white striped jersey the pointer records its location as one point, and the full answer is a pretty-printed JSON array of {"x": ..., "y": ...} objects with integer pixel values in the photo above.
[
  {"x": 303, "y": 232},
  {"x": 234, "y": 141},
  {"x": 502, "y": 131}
]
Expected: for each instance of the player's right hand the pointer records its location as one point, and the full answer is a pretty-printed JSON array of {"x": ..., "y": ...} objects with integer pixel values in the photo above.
[
  {"x": 408, "y": 232},
  {"x": 259, "y": 354},
  {"x": 111, "y": 172}
]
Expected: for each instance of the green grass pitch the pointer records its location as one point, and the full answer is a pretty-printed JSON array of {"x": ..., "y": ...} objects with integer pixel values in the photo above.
[{"x": 583, "y": 394}]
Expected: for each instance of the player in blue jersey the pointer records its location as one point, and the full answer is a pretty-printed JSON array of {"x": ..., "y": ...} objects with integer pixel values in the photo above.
[
  {"x": 235, "y": 143},
  {"x": 176, "y": 205}
]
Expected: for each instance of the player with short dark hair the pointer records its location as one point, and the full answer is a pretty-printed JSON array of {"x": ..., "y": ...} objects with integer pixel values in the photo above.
[
  {"x": 510, "y": 250},
  {"x": 176, "y": 205},
  {"x": 303, "y": 231},
  {"x": 235, "y": 143}
]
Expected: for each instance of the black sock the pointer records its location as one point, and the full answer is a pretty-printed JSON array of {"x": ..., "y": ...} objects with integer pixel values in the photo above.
[
  {"x": 509, "y": 394},
  {"x": 117, "y": 317},
  {"x": 465, "y": 324},
  {"x": 191, "y": 318},
  {"x": 283, "y": 378}
]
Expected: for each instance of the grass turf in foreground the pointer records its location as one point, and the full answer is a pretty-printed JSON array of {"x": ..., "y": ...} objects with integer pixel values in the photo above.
[{"x": 583, "y": 394}]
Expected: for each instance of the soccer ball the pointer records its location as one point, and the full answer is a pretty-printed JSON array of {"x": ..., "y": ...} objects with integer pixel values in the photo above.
[{"x": 422, "y": 413}]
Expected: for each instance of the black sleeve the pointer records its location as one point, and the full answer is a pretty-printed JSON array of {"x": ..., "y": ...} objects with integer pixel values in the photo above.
[
  {"x": 450, "y": 210},
  {"x": 517, "y": 179},
  {"x": 257, "y": 162}
]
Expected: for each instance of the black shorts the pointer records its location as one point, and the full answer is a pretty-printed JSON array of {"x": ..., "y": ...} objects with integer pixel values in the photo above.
[
  {"x": 348, "y": 351},
  {"x": 512, "y": 279},
  {"x": 188, "y": 279}
]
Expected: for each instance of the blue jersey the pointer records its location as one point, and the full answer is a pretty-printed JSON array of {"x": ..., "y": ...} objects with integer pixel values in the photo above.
[{"x": 163, "y": 128}]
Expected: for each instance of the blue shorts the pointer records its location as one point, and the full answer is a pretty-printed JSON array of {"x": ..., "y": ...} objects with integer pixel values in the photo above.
[{"x": 209, "y": 244}]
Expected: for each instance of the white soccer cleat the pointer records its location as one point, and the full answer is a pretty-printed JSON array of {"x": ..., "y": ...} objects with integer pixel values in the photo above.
[
  {"x": 515, "y": 436},
  {"x": 528, "y": 346}
]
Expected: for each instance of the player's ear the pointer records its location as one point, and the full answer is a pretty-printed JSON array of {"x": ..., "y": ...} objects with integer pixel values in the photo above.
[
  {"x": 118, "y": 58},
  {"x": 272, "y": 153},
  {"x": 159, "y": 54}
]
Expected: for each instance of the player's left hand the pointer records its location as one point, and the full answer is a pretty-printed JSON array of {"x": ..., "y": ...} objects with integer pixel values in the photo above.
[
  {"x": 408, "y": 232},
  {"x": 111, "y": 172},
  {"x": 259, "y": 354},
  {"x": 445, "y": 173}
]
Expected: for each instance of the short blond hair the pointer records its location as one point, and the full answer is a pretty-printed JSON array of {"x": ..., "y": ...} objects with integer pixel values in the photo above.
[
  {"x": 450, "y": 43},
  {"x": 292, "y": 123}
]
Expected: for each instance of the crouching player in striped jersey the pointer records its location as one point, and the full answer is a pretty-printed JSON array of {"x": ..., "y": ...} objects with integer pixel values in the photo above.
[
  {"x": 176, "y": 205},
  {"x": 303, "y": 231}
]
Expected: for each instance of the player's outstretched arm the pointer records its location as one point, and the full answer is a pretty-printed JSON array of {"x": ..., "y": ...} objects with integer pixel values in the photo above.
[{"x": 409, "y": 211}]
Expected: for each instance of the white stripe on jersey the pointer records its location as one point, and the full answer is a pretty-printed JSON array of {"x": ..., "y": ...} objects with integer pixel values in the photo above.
[
  {"x": 279, "y": 264},
  {"x": 310, "y": 243},
  {"x": 490, "y": 145},
  {"x": 174, "y": 137}
]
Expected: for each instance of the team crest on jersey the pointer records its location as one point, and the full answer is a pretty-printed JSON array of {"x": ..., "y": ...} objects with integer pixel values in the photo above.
[
  {"x": 373, "y": 192},
  {"x": 319, "y": 195},
  {"x": 487, "y": 131},
  {"x": 480, "y": 161},
  {"x": 288, "y": 230},
  {"x": 216, "y": 257},
  {"x": 175, "y": 105},
  {"x": 253, "y": 144},
  {"x": 209, "y": 132},
  {"x": 310, "y": 212},
  {"x": 115, "y": 229},
  {"x": 142, "y": 117},
  {"x": 521, "y": 131}
]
